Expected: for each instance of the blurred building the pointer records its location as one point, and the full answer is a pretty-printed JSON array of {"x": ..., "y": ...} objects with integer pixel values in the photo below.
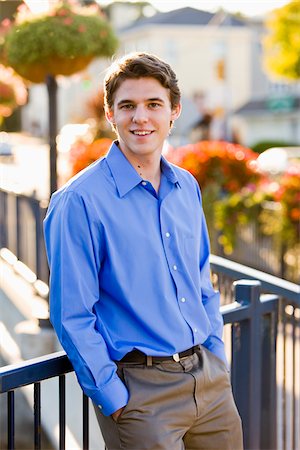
[
  {"x": 217, "y": 55},
  {"x": 275, "y": 117}
]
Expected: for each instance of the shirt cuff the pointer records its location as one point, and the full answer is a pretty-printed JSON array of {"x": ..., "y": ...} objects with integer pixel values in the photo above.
[
  {"x": 216, "y": 346},
  {"x": 111, "y": 397}
]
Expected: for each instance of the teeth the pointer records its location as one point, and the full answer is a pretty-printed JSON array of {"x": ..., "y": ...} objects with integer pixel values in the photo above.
[{"x": 141, "y": 133}]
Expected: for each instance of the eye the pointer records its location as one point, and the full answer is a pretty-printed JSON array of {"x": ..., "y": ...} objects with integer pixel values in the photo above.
[
  {"x": 127, "y": 106},
  {"x": 154, "y": 105}
]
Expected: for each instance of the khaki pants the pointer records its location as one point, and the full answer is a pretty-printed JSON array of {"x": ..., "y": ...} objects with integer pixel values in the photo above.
[{"x": 176, "y": 406}]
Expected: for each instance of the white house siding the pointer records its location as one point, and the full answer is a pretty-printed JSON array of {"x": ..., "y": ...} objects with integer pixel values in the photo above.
[{"x": 266, "y": 127}]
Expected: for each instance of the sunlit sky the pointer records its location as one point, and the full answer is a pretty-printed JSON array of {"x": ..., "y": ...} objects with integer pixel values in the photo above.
[{"x": 247, "y": 7}]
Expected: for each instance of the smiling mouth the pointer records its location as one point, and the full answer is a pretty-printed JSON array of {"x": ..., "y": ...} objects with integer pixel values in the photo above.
[{"x": 141, "y": 133}]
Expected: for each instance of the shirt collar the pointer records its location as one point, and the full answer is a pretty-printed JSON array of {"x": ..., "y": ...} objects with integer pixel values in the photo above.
[
  {"x": 168, "y": 171},
  {"x": 125, "y": 176}
]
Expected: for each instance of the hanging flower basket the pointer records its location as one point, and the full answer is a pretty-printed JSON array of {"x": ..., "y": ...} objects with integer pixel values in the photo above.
[
  {"x": 62, "y": 41},
  {"x": 13, "y": 92}
]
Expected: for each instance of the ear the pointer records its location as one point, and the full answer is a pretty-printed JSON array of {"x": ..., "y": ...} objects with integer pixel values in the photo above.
[
  {"x": 109, "y": 116},
  {"x": 176, "y": 112}
]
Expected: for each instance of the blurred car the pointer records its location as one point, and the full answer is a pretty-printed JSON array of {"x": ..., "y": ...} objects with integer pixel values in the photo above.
[
  {"x": 5, "y": 149},
  {"x": 276, "y": 160}
]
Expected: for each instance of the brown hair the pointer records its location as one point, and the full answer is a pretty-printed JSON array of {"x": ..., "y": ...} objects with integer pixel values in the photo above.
[{"x": 140, "y": 65}]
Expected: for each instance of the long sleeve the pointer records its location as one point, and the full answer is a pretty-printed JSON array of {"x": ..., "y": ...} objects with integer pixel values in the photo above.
[
  {"x": 74, "y": 249},
  {"x": 210, "y": 297}
]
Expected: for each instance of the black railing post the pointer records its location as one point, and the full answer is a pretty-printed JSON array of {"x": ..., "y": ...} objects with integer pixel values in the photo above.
[
  {"x": 85, "y": 422},
  {"x": 3, "y": 219},
  {"x": 269, "y": 326},
  {"x": 37, "y": 416},
  {"x": 10, "y": 420},
  {"x": 62, "y": 412},
  {"x": 246, "y": 362},
  {"x": 18, "y": 227}
]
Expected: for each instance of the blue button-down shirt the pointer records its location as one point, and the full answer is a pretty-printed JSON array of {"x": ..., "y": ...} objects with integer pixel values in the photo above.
[{"x": 129, "y": 269}]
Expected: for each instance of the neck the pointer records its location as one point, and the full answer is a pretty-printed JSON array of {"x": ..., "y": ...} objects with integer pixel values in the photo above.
[
  {"x": 147, "y": 166},
  {"x": 149, "y": 170}
]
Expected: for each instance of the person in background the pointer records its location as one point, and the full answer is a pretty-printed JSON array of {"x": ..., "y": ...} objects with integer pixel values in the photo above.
[
  {"x": 131, "y": 298},
  {"x": 200, "y": 130}
]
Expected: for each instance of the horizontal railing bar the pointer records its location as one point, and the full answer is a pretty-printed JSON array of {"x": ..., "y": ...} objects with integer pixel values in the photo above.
[
  {"x": 34, "y": 370},
  {"x": 235, "y": 312},
  {"x": 268, "y": 303},
  {"x": 275, "y": 285}
]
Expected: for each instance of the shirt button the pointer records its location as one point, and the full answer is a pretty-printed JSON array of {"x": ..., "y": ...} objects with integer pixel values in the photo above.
[
  {"x": 144, "y": 183},
  {"x": 168, "y": 234},
  {"x": 100, "y": 406},
  {"x": 195, "y": 330},
  {"x": 175, "y": 267},
  {"x": 182, "y": 299}
]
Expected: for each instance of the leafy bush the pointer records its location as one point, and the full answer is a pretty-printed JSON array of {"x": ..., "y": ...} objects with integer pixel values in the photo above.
[
  {"x": 228, "y": 166},
  {"x": 264, "y": 145},
  {"x": 235, "y": 193}
]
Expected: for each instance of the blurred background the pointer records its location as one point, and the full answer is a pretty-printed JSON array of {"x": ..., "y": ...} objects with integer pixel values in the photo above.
[{"x": 238, "y": 67}]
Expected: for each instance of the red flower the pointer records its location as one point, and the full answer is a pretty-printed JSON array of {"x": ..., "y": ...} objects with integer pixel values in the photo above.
[
  {"x": 83, "y": 154},
  {"x": 228, "y": 165}
]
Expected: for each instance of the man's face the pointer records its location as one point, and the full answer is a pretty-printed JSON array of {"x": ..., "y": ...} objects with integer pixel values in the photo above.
[{"x": 141, "y": 116}]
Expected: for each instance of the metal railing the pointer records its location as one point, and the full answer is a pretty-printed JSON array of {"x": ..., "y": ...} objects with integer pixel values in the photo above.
[
  {"x": 259, "y": 326},
  {"x": 267, "y": 253},
  {"x": 21, "y": 230},
  {"x": 284, "y": 364},
  {"x": 33, "y": 372}
]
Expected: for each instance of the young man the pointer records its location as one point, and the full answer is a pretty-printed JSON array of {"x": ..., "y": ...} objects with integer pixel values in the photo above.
[{"x": 131, "y": 298}]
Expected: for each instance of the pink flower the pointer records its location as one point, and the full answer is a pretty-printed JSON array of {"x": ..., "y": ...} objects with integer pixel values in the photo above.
[
  {"x": 6, "y": 23},
  {"x": 68, "y": 21},
  {"x": 81, "y": 28},
  {"x": 62, "y": 12}
]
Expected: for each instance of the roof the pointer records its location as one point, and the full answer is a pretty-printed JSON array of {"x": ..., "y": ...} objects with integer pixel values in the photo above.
[
  {"x": 271, "y": 105},
  {"x": 187, "y": 16}
]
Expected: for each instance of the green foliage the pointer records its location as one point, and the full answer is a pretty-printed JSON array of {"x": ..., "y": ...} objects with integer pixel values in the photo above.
[
  {"x": 236, "y": 195},
  {"x": 261, "y": 146},
  {"x": 282, "y": 44},
  {"x": 237, "y": 210},
  {"x": 36, "y": 41}
]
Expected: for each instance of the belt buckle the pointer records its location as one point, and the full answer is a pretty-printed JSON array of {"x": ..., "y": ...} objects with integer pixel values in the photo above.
[{"x": 176, "y": 357}]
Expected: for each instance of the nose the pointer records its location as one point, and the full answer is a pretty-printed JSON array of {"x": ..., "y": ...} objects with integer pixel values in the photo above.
[{"x": 140, "y": 115}]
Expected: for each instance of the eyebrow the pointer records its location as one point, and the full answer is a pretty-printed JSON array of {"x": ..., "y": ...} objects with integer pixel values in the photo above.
[{"x": 154, "y": 99}]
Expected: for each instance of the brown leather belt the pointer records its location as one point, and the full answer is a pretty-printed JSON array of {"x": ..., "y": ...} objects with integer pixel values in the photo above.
[{"x": 138, "y": 357}]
